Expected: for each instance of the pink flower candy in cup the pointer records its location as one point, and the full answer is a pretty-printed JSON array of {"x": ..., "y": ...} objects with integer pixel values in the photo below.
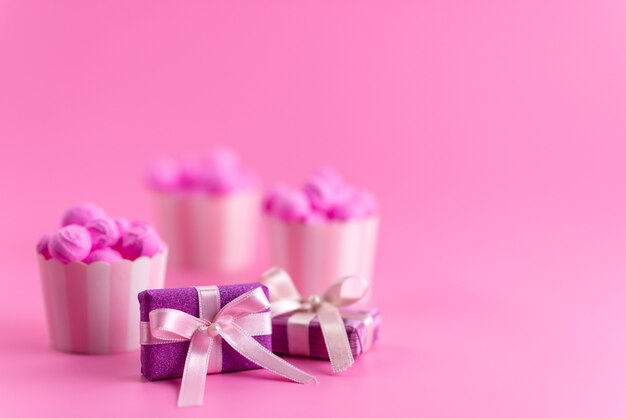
[
  {"x": 323, "y": 231},
  {"x": 106, "y": 254},
  {"x": 122, "y": 225},
  {"x": 82, "y": 213},
  {"x": 42, "y": 246},
  {"x": 291, "y": 205},
  {"x": 210, "y": 217},
  {"x": 358, "y": 204},
  {"x": 104, "y": 232},
  {"x": 86, "y": 280},
  {"x": 70, "y": 243},
  {"x": 321, "y": 193},
  {"x": 328, "y": 176},
  {"x": 140, "y": 240}
]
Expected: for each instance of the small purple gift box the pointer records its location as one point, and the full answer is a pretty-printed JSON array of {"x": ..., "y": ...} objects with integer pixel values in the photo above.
[
  {"x": 300, "y": 334},
  {"x": 165, "y": 359}
]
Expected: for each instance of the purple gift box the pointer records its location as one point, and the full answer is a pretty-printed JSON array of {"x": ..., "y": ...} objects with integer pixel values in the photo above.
[
  {"x": 362, "y": 328},
  {"x": 167, "y": 360}
]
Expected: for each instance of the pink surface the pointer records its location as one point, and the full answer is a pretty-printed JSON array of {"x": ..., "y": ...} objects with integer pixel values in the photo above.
[{"x": 491, "y": 132}]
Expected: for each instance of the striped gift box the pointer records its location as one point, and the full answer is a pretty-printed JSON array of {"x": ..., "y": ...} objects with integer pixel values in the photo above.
[
  {"x": 93, "y": 308},
  {"x": 210, "y": 233},
  {"x": 362, "y": 329}
]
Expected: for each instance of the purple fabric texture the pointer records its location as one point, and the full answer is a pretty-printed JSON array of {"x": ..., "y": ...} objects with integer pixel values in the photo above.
[
  {"x": 355, "y": 329},
  {"x": 166, "y": 361}
]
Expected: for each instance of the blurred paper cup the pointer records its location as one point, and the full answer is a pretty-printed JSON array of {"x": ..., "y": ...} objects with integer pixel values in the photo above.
[
  {"x": 208, "y": 232},
  {"x": 93, "y": 308},
  {"x": 316, "y": 255}
]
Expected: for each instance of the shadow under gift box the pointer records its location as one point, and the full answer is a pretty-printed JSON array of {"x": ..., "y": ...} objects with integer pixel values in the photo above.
[
  {"x": 210, "y": 233},
  {"x": 316, "y": 255},
  {"x": 93, "y": 308},
  {"x": 167, "y": 360}
]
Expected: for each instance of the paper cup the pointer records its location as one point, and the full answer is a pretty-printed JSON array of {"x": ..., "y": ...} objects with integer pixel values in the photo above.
[
  {"x": 210, "y": 233},
  {"x": 93, "y": 308},
  {"x": 317, "y": 255}
]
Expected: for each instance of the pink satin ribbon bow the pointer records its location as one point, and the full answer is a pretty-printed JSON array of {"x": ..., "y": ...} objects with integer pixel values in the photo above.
[
  {"x": 172, "y": 325},
  {"x": 285, "y": 298}
]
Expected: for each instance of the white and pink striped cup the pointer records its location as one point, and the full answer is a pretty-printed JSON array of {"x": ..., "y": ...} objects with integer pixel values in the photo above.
[
  {"x": 318, "y": 254},
  {"x": 93, "y": 308},
  {"x": 210, "y": 233}
]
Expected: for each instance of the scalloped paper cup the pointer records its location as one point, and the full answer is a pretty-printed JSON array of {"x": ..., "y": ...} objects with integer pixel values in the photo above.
[
  {"x": 93, "y": 308},
  {"x": 208, "y": 233},
  {"x": 318, "y": 255}
]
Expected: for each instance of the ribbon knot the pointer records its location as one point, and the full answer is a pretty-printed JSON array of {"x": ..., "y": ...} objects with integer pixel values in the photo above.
[
  {"x": 229, "y": 323},
  {"x": 285, "y": 298},
  {"x": 314, "y": 302},
  {"x": 213, "y": 330}
]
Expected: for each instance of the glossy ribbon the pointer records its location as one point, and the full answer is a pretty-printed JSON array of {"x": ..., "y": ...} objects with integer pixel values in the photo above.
[
  {"x": 205, "y": 335},
  {"x": 285, "y": 298}
]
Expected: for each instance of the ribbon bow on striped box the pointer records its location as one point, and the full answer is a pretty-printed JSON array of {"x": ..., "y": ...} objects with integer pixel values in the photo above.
[{"x": 315, "y": 326}]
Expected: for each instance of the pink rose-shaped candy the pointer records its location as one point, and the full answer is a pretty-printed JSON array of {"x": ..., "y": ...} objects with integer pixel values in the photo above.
[
  {"x": 358, "y": 204},
  {"x": 223, "y": 173},
  {"x": 81, "y": 214},
  {"x": 42, "y": 246},
  {"x": 70, "y": 243},
  {"x": 328, "y": 176},
  {"x": 140, "y": 240},
  {"x": 191, "y": 173},
  {"x": 104, "y": 232},
  {"x": 122, "y": 225},
  {"x": 106, "y": 254},
  {"x": 272, "y": 196},
  {"x": 164, "y": 174},
  {"x": 321, "y": 193},
  {"x": 292, "y": 205},
  {"x": 215, "y": 181}
]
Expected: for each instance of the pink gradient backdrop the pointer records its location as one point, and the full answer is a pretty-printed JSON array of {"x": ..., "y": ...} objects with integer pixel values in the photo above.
[{"x": 493, "y": 132}]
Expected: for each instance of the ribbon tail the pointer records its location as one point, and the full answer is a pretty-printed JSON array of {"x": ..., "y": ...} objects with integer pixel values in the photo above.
[
  {"x": 194, "y": 376},
  {"x": 335, "y": 337},
  {"x": 251, "y": 349}
]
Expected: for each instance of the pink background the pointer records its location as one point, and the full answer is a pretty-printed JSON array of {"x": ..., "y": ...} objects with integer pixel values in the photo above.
[{"x": 493, "y": 133}]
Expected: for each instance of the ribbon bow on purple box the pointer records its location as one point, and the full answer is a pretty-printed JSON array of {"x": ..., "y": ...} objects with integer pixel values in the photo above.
[
  {"x": 285, "y": 299},
  {"x": 175, "y": 333}
]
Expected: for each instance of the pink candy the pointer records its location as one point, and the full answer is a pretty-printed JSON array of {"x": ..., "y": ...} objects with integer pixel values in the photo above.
[
  {"x": 292, "y": 205},
  {"x": 357, "y": 205},
  {"x": 70, "y": 243},
  {"x": 104, "y": 232},
  {"x": 42, "y": 246},
  {"x": 106, "y": 255},
  {"x": 322, "y": 194},
  {"x": 122, "y": 225},
  {"x": 81, "y": 214},
  {"x": 325, "y": 196},
  {"x": 140, "y": 240},
  {"x": 96, "y": 237},
  {"x": 218, "y": 172}
]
